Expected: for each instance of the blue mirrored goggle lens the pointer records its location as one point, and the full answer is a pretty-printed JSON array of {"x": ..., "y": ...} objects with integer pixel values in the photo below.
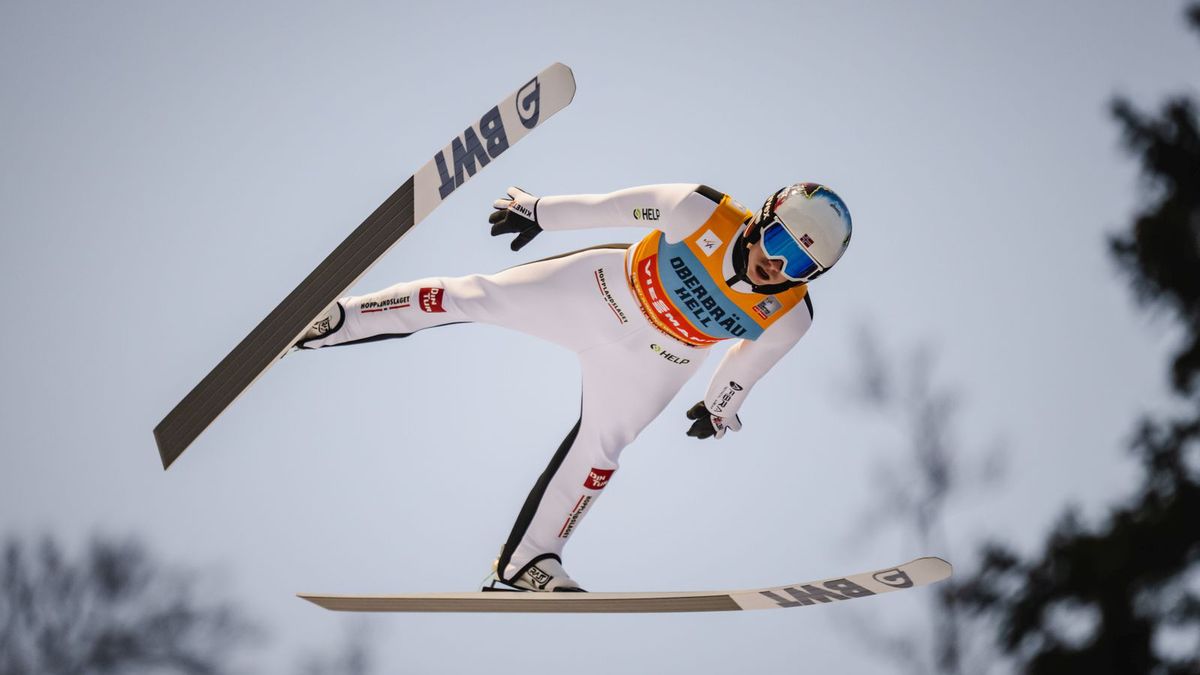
[{"x": 779, "y": 243}]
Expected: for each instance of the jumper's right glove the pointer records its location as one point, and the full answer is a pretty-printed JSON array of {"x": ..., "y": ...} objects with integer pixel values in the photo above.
[
  {"x": 516, "y": 215},
  {"x": 708, "y": 425}
]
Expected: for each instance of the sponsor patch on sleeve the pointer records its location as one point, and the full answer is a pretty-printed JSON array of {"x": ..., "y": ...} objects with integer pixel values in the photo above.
[
  {"x": 598, "y": 478},
  {"x": 430, "y": 299}
]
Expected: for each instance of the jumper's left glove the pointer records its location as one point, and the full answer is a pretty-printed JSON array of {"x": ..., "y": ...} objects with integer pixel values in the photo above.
[
  {"x": 516, "y": 215},
  {"x": 708, "y": 425}
]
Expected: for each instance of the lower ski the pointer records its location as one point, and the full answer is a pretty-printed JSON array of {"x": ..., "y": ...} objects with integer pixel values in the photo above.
[{"x": 919, "y": 572}]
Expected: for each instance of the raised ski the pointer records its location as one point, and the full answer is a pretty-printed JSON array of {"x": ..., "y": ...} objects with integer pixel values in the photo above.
[{"x": 497, "y": 130}]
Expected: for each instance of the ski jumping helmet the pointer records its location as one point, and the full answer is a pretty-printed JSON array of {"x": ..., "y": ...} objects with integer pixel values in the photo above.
[{"x": 806, "y": 225}]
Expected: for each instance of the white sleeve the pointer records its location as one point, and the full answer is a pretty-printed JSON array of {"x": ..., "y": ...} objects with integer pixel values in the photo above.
[
  {"x": 747, "y": 361},
  {"x": 677, "y": 209}
]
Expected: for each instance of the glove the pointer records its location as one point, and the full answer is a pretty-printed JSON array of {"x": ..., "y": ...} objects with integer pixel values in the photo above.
[
  {"x": 708, "y": 425},
  {"x": 516, "y": 215}
]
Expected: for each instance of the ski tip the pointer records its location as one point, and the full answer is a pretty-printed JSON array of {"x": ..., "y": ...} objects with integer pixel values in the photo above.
[
  {"x": 933, "y": 568},
  {"x": 568, "y": 75}
]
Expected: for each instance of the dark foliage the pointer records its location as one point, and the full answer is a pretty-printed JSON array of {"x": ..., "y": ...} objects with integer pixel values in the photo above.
[
  {"x": 1161, "y": 253},
  {"x": 1129, "y": 580}
]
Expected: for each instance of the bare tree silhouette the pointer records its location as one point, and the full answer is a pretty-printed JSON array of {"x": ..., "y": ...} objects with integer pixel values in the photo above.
[
  {"x": 111, "y": 610},
  {"x": 928, "y": 470},
  {"x": 354, "y": 657}
]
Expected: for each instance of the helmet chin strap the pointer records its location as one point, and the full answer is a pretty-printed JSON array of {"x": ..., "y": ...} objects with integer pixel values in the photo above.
[{"x": 741, "y": 263}]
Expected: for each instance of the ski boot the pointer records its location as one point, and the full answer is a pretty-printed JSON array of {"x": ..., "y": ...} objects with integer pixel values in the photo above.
[
  {"x": 542, "y": 575},
  {"x": 329, "y": 322}
]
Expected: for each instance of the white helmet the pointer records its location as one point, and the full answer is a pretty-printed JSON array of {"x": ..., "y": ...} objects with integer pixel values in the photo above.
[{"x": 805, "y": 225}]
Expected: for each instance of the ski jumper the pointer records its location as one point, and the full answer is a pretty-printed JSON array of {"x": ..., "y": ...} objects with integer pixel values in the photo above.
[{"x": 640, "y": 318}]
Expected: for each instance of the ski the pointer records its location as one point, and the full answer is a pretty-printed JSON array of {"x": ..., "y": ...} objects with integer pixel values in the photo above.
[
  {"x": 483, "y": 141},
  {"x": 919, "y": 572}
]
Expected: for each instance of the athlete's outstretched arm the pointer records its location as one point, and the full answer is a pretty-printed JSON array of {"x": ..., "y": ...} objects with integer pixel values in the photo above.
[
  {"x": 747, "y": 361},
  {"x": 675, "y": 208}
]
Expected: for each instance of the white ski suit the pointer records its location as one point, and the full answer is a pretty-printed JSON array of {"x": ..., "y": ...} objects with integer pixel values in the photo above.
[{"x": 640, "y": 317}]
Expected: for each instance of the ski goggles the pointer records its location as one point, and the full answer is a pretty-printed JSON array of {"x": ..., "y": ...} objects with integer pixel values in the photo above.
[{"x": 779, "y": 243}]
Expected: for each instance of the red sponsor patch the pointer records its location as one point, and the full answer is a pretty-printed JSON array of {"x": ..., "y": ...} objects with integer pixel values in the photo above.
[
  {"x": 598, "y": 478},
  {"x": 431, "y": 299}
]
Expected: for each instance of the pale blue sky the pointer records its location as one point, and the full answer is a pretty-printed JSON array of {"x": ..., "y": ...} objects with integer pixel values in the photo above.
[{"x": 170, "y": 171}]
